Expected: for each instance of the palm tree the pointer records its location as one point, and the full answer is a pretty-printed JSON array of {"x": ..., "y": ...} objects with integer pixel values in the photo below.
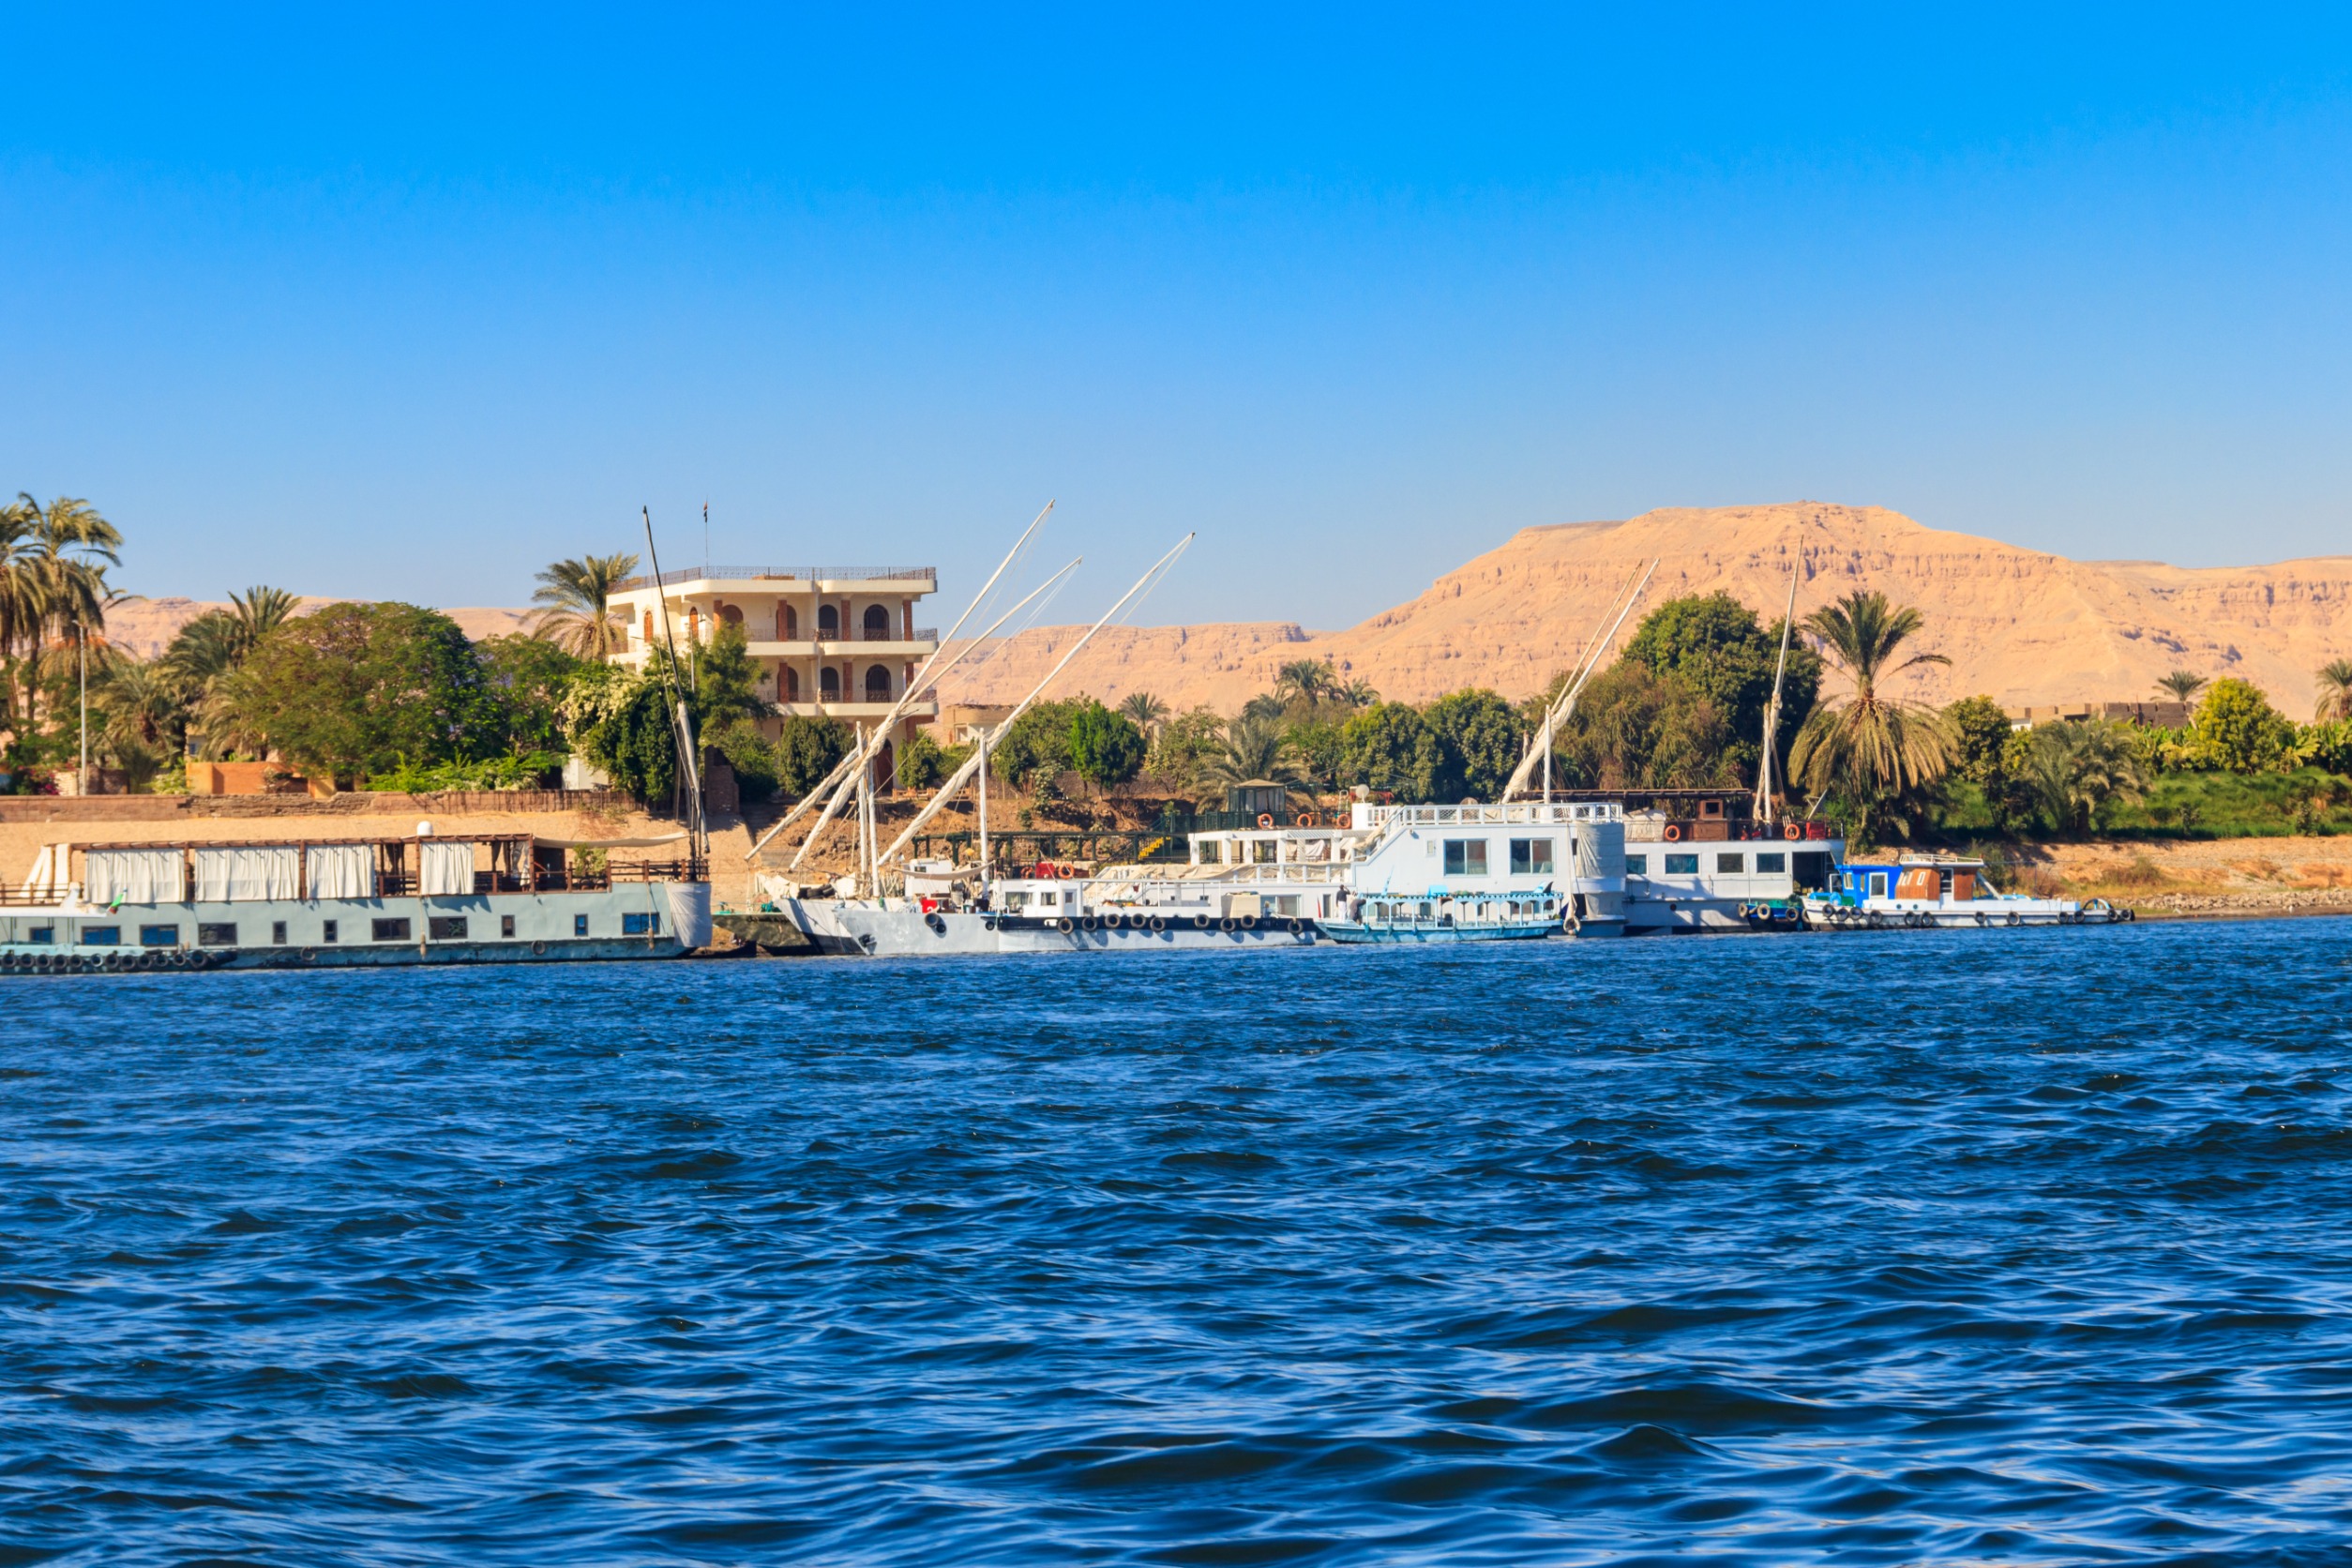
[
  {"x": 2335, "y": 690},
  {"x": 1305, "y": 680},
  {"x": 60, "y": 560},
  {"x": 2077, "y": 768},
  {"x": 1871, "y": 749},
  {"x": 259, "y": 611},
  {"x": 1357, "y": 693},
  {"x": 1255, "y": 747},
  {"x": 578, "y": 600},
  {"x": 1144, "y": 711},
  {"x": 2183, "y": 685}
]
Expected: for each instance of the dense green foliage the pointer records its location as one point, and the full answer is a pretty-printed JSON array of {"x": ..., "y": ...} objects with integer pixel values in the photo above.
[
  {"x": 1713, "y": 646},
  {"x": 364, "y": 688},
  {"x": 1104, "y": 748},
  {"x": 807, "y": 752}
]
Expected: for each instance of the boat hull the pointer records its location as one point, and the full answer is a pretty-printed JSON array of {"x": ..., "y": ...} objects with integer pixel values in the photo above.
[
  {"x": 1356, "y": 933},
  {"x": 858, "y": 930}
]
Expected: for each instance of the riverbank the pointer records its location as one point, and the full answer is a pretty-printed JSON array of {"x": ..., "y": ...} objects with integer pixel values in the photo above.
[{"x": 2172, "y": 879}]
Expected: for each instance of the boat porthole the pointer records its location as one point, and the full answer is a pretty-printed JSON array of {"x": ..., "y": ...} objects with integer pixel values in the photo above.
[{"x": 538, "y": 949}]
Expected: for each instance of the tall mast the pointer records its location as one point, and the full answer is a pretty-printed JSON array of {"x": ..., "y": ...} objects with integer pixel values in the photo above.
[
  {"x": 687, "y": 760},
  {"x": 988, "y": 742},
  {"x": 1764, "y": 791},
  {"x": 1587, "y": 662}
]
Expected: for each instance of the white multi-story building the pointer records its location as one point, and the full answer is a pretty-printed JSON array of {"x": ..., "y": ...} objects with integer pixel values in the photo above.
[{"x": 838, "y": 642}]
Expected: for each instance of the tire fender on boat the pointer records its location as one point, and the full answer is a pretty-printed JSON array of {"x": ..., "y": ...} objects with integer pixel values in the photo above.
[
  {"x": 1158, "y": 924},
  {"x": 1200, "y": 921}
]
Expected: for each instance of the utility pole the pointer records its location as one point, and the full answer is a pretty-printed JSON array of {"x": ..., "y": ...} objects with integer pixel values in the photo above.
[{"x": 82, "y": 643}]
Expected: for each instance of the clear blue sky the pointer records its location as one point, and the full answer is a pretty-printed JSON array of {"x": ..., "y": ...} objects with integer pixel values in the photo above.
[{"x": 396, "y": 302}]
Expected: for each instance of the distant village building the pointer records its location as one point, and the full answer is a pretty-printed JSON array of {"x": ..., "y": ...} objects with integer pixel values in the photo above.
[
  {"x": 2157, "y": 716},
  {"x": 832, "y": 641}
]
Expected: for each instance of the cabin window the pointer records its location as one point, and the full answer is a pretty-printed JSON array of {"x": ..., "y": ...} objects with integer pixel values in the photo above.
[
  {"x": 580, "y": 925},
  {"x": 1732, "y": 863},
  {"x": 391, "y": 930},
  {"x": 101, "y": 935},
  {"x": 1681, "y": 865},
  {"x": 1636, "y": 865},
  {"x": 328, "y": 934},
  {"x": 210, "y": 935},
  {"x": 1772, "y": 863},
  {"x": 1530, "y": 857},
  {"x": 42, "y": 936},
  {"x": 278, "y": 933},
  {"x": 1877, "y": 884},
  {"x": 1466, "y": 857},
  {"x": 640, "y": 925},
  {"x": 505, "y": 924},
  {"x": 158, "y": 936},
  {"x": 446, "y": 927}
]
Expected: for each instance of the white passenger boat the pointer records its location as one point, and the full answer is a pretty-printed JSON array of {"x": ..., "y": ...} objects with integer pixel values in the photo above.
[
  {"x": 426, "y": 900},
  {"x": 1950, "y": 891}
]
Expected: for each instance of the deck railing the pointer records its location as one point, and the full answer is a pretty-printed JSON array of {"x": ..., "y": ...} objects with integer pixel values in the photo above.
[{"x": 786, "y": 574}]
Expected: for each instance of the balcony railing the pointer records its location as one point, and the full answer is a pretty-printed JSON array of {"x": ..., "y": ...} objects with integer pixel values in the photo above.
[{"x": 796, "y": 574}]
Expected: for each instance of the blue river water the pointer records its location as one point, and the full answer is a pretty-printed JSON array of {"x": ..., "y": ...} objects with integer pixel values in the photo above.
[{"x": 1971, "y": 1247}]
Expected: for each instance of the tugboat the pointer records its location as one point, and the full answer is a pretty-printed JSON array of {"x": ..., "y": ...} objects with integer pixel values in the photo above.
[{"x": 1949, "y": 892}]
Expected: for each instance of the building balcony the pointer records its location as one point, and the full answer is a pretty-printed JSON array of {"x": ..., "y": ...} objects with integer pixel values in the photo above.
[
  {"x": 922, "y": 709},
  {"x": 791, "y": 580},
  {"x": 924, "y": 643}
]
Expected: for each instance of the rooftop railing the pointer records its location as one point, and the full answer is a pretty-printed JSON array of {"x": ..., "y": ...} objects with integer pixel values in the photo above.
[{"x": 794, "y": 574}]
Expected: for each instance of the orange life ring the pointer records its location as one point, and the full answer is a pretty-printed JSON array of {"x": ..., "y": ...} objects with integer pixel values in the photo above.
[
  {"x": 1265, "y": 818},
  {"x": 1674, "y": 833},
  {"x": 1793, "y": 832},
  {"x": 1306, "y": 819}
]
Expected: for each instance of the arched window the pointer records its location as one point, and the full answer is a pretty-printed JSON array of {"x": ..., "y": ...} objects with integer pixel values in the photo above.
[
  {"x": 828, "y": 622},
  {"x": 877, "y": 682},
  {"x": 877, "y": 624},
  {"x": 792, "y": 683},
  {"x": 828, "y": 685},
  {"x": 787, "y": 624},
  {"x": 731, "y": 614}
]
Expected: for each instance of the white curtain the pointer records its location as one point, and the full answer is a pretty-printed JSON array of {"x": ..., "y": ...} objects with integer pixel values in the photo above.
[
  {"x": 446, "y": 868},
  {"x": 342, "y": 870},
  {"x": 247, "y": 871},
  {"x": 136, "y": 876}
]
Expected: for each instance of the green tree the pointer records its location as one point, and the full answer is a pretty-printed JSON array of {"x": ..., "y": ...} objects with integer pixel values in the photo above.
[
  {"x": 1304, "y": 683},
  {"x": 1144, "y": 711},
  {"x": 578, "y": 600},
  {"x": 1872, "y": 751},
  {"x": 2182, "y": 686},
  {"x": 1037, "y": 747},
  {"x": 1388, "y": 747},
  {"x": 258, "y": 611},
  {"x": 726, "y": 680},
  {"x": 2235, "y": 730},
  {"x": 1321, "y": 745},
  {"x": 1713, "y": 644},
  {"x": 807, "y": 752},
  {"x": 528, "y": 679},
  {"x": 1182, "y": 746},
  {"x": 1105, "y": 749},
  {"x": 921, "y": 763},
  {"x": 2081, "y": 768},
  {"x": 1478, "y": 737},
  {"x": 1256, "y": 748},
  {"x": 2334, "y": 680},
  {"x": 362, "y": 688},
  {"x": 1635, "y": 729}
]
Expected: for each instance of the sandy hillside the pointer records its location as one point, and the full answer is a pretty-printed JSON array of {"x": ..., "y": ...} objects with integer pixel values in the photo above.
[{"x": 2025, "y": 626}]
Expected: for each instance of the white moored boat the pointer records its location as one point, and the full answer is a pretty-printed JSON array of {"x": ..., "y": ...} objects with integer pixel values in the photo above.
[
  {"x": 1951, "y": 892},
  {"x": 428, "y": 900}
]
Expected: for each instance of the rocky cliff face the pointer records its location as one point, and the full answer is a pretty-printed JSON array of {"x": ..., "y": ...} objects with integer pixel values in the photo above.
[{"x": 2024, "y": 626}]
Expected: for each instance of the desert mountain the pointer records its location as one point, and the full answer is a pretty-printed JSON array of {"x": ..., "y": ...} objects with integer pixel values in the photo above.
[
  {"x": 147, "y": 626},
  {"x": 2025, "y": 626}
]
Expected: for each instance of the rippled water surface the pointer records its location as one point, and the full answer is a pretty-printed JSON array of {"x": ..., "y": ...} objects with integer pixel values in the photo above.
[{"x": 2005, "y": 1247}]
